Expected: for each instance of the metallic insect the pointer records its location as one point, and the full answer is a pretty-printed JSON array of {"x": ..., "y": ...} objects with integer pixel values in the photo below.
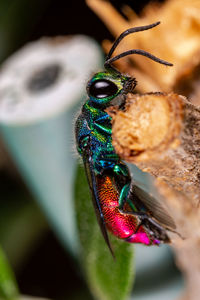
[{"x": 123, "y": 208}]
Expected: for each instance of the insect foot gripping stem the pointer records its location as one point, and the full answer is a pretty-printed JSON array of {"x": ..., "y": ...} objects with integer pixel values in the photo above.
[{"x": 148, "y": 231}]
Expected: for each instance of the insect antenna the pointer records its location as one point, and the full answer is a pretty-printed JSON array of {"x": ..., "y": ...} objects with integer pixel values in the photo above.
[
  {"x": 140, "y": 52},
  {"x": 127, "y": 32},
  {"x": 110, "y": 60}
]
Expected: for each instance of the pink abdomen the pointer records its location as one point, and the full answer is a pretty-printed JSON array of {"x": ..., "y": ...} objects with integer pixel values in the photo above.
[{"x": 121, "y": 225}]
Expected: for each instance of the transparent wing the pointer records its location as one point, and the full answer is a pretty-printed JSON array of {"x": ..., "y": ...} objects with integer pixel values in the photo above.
[{"x": 153, "y": 205}]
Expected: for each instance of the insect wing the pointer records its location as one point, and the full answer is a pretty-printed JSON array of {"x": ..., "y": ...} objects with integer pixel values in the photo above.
[
  {"x": 154, "y": 206},
  {"x": 91, "y": 176}
]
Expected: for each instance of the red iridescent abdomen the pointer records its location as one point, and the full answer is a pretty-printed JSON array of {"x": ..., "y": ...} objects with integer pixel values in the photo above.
[{"x": 121, "y": 225}]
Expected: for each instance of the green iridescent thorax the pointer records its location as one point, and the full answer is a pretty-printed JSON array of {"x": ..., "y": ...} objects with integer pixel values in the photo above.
[{"x": 99, "y": 122}]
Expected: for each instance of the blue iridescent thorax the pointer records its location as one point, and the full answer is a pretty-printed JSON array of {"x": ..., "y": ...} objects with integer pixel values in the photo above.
[{"x": 93, "y": 125}]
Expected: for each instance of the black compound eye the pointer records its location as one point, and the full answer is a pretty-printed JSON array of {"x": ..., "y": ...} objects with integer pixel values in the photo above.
[{"x": 102, "y": 88}]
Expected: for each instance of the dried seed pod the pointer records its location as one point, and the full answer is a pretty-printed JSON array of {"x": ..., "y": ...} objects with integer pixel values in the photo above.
[{"x": 160, "y": 133}]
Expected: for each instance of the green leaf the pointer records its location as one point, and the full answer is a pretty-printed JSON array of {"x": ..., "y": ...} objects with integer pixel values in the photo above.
[
  {"x": 8, "y": 286},
  {"x": 107, "y": 278}
]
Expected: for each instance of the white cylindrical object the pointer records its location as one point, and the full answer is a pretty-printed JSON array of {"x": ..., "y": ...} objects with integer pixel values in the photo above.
[{"x": 40, "y": 88}]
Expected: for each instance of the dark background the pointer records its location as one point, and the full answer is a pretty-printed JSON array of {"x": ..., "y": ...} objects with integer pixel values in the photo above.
[
  {"x": 72, "y": 17},
  {"x": 25, "y": 21}
]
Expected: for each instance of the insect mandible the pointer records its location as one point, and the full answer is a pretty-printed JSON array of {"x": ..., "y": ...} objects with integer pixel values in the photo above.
[{"x": 121, "y": 206}]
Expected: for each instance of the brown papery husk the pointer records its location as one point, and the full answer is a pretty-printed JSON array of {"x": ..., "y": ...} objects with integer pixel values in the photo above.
[{"x": 160, "y": 133}]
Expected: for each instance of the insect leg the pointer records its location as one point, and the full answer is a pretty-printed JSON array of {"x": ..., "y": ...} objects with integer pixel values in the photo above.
[
  {"x": 142, "y": 216},
  {"x": 123, "y": 199},
  {"x": 155, "y": 230}
]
